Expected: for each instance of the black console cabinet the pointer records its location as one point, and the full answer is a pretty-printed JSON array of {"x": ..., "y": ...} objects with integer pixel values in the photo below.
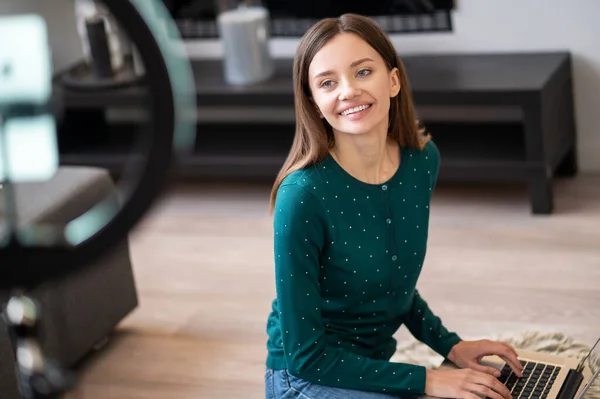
[{"x": 495, "y": 117}]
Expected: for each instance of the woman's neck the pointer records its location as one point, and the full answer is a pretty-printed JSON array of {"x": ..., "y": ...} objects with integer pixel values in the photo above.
[{"x": 371, "y": 158}]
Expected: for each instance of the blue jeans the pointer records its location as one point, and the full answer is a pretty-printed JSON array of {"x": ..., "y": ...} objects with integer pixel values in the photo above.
[{"x": 279, "y": 384}]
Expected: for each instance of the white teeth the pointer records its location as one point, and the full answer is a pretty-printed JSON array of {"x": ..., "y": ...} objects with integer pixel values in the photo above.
[{"x": 355, "y": 109}]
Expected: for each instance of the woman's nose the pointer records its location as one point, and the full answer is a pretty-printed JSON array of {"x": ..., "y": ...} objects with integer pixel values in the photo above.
[{"x": 348, "y": 91}]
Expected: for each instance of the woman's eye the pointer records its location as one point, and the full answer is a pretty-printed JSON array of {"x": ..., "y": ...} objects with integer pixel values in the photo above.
[
  {"x": 364, "y": 72},
  {"x": 326, "y": 83}
]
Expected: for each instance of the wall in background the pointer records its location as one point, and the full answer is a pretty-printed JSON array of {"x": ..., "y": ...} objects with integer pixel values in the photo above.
[
  {"x": 533, "y": 25},
  {"x": 479, "y": 26}
]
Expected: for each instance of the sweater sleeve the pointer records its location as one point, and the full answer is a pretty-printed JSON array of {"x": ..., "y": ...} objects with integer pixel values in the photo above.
[
  {"x": 299, "y": 237},
  {"x": 433, "y": 159},
  {"x": 425, "y": 326}
]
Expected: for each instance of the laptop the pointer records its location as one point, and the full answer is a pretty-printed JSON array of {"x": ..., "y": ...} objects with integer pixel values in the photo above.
[{"x": 545, "y": 376}]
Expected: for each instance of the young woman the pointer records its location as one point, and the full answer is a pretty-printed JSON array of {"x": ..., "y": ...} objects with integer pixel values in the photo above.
[{"x": 351, "y": 213}]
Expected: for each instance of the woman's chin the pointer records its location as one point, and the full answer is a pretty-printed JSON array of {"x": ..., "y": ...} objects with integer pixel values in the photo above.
[
  {"x": 355, "y": 132},
  {"x": 355, "y": 128}
]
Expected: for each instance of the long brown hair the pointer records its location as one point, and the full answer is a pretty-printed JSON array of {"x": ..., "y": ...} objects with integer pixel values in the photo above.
[{"x": 314, "y": 136}]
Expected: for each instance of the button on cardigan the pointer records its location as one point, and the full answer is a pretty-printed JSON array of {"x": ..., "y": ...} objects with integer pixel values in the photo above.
[{"x": 348, "y": 255}]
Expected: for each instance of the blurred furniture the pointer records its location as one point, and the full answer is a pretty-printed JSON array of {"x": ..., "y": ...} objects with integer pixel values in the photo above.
[
  {"x": 80, "y": 310},
  {"x": 495, "y": 117}
]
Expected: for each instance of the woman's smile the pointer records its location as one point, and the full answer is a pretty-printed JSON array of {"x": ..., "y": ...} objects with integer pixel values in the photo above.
[{"x": 356, "y": 112}]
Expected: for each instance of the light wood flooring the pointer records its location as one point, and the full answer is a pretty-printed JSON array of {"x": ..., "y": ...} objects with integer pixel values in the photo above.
[{"x": 204, "y": 271}]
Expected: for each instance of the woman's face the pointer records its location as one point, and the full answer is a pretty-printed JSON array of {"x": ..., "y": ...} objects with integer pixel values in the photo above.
[{"x": 351, "y": 85}]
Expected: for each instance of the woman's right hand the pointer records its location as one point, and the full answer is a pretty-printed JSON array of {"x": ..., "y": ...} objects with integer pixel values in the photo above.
[{"x": 464, "y": 383}]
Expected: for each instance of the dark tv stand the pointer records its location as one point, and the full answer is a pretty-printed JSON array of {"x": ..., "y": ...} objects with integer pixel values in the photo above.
[{"x": 495, "y": 117}]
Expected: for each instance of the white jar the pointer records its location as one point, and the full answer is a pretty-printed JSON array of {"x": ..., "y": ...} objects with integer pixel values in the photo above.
[{"x": 244, "y": 33}]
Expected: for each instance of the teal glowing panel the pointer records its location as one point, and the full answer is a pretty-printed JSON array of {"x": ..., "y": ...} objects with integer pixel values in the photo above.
[
  {"x": 31, "y": 147},
  {"x": 25, "y": 60}
]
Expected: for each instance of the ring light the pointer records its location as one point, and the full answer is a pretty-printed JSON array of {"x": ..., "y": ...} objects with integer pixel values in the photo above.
[{"x": 35, "y": 254}]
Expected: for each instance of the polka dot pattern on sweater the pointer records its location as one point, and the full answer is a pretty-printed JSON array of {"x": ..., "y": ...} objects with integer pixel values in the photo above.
[{"x": 348, "y": 256}]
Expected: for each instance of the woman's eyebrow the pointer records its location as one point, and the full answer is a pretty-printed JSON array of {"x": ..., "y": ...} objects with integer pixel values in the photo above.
[{"x": 352, "y": 65}]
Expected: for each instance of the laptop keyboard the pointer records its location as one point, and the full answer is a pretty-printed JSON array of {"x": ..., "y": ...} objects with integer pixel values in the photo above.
[{"x": 536, "y": 382}]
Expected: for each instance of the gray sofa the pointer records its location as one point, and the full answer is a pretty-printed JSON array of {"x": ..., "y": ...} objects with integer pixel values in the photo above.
[{"x": 80, "y": 310}]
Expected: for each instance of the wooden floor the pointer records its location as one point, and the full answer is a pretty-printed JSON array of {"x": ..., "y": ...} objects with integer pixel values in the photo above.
[{"x": 203, "y": 266}]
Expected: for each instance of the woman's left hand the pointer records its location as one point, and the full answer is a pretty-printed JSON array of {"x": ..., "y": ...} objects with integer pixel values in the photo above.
[{"x": 468, "y": 354}]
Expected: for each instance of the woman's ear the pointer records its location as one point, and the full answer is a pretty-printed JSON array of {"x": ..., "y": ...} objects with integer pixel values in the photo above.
[{"x": 395, "y": 86}]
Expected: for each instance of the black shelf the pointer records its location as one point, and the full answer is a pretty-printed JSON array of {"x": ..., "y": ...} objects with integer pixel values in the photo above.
[
  {"x": 494, "y": 117},
  {"x": 195, "y": 166},
  {"x": 239, "y": 150}
]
